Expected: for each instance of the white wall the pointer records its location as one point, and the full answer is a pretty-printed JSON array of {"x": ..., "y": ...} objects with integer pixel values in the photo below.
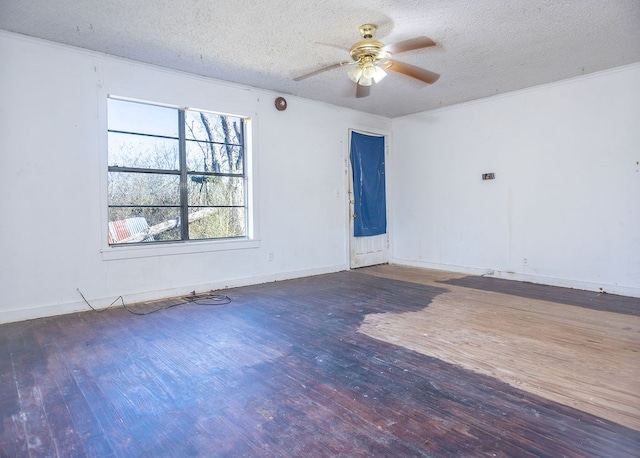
[
  {"x": 564, "y": 208},
  {"x": 565, "y": 196},
  {"x": 53, "y": 184}
]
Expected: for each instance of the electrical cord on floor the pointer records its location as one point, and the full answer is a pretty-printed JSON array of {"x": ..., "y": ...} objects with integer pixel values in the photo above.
[
  {"x": 212, "y": 299},
  {"x": 95, "y": 309}
]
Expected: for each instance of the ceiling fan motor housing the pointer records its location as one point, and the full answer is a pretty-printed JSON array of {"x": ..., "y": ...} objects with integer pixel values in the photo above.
[{"x": 368, "y": 47}]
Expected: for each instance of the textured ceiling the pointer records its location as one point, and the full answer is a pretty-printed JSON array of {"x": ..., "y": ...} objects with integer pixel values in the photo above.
[{"x": 484, "y": 47}]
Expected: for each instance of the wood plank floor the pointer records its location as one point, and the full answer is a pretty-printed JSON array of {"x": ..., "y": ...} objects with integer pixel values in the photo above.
[
  {"x": 585, "y": 356},
  {"x": 290, "y": 369}
]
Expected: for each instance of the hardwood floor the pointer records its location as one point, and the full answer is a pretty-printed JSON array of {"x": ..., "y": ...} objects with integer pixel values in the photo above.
[{"x": 295, "y": 368}]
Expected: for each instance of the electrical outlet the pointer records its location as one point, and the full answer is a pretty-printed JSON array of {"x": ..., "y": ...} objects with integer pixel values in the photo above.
[
  {"x": 489, "y": 176},
  {"x": 270, "y": 256}
]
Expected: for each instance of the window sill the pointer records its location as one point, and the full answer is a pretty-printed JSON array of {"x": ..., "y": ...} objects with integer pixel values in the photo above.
[{"x": 112, "y": 253}]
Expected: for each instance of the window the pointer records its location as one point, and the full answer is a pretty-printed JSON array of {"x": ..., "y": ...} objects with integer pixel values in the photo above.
[{"x": 174, "y": 174}]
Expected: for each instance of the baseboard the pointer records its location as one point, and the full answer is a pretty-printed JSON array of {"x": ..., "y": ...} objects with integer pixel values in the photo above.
[
  {"x": 435, "y": 266},
  {"x": 569, "y": 283},
  {"x": 42, "y": 311},
  {"x": 630, "y": 291}
]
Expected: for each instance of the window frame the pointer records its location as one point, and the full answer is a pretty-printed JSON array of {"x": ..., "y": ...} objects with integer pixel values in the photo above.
[{"x": 186, "y": 245}]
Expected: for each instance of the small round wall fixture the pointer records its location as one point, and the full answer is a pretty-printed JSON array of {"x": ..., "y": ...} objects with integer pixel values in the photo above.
[{"x": 281, "y": 104}]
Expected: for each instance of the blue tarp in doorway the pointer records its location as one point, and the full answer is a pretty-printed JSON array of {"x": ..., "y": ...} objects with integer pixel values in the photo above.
[{"x": 369, "y": 195}]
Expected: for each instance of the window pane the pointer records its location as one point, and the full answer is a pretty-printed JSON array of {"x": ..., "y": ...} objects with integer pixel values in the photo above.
[
  {"x": 126, "y": 188},
  {"x": 146, "y": 184},
  {"x": 215, "y": 191},
  {"x": 135, "y": 225},
  {"x": 209, "y": 223},
  {"x": 212, "y": 157},
  {"x": 142, "y": 118},
  {"x": 212, "y": 127},
  {"x": 126, "y": 150}
]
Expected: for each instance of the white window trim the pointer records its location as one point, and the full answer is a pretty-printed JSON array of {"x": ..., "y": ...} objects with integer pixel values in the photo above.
[
  {"x": 176, "y": 248},
  {"x": 116, "y": 252}
]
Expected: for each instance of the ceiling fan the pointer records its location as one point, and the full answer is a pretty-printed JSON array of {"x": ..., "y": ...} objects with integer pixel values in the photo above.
[{"x": 371, "y": 58}]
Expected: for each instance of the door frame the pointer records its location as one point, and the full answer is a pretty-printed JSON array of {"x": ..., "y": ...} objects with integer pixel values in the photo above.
[{"x": 353, "y": 261}]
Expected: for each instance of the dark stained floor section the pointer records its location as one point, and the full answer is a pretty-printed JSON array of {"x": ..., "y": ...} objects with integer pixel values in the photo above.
[{"x": 280, "y": 371}]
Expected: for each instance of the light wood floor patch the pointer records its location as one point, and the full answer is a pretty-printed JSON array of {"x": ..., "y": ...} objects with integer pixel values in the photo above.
[{"x": 583, "y": 358}]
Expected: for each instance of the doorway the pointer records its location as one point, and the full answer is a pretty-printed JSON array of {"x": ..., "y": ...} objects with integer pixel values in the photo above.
[{"x": 368, "y": 236}]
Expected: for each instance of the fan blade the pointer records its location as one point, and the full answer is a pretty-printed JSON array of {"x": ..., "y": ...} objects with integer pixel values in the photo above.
[
  {"x": 418, "y": 73},
  {"x": 409, "y": 45},
  {"x": 362, "y": 91},
  {"x": 320, "y": 70}
]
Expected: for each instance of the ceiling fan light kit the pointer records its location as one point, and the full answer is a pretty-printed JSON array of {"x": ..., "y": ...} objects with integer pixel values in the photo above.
[
  {"x": 370, "y": 56},
  {"x": 366, "y": 73}
]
